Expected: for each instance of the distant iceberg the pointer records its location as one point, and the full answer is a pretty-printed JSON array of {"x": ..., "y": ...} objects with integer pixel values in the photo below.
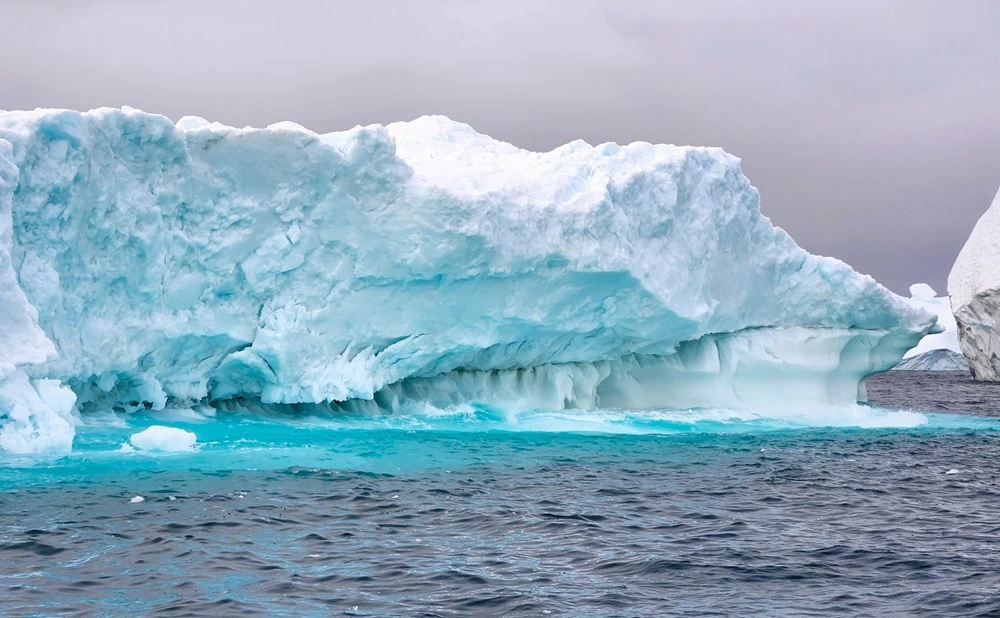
[
  {"x": 923, "y": 296},
  {"x": 934, "y": 360},
  {"x": 147, "y": 264}
]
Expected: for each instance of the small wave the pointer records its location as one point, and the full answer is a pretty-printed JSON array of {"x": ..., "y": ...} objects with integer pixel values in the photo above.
[{"x": 623, "y": 421}]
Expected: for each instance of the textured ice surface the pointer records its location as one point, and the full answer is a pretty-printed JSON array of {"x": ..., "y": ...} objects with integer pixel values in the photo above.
[
  {"x": 145, "y": 264},
  {"x": 974, "y": 286}
]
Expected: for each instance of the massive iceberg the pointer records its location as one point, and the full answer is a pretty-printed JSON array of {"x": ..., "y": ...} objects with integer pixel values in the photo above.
[
  {"x": 147, "y": 264},
  {"x": 974, "y": 286}
]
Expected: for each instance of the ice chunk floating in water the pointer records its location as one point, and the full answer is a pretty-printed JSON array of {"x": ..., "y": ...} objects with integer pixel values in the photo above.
[
  {"x": 145, "y": 264},
  {"x": 164, "y": 439}
]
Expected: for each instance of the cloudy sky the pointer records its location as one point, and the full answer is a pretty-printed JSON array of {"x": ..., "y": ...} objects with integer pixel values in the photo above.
[{"x": 871, "y": 128}]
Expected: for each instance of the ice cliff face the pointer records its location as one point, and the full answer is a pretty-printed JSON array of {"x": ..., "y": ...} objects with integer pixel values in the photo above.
[
  {"x": 923, "y": 296},
  {"x": 148, "y": 264},
  {"x": 974, "y": 286}
]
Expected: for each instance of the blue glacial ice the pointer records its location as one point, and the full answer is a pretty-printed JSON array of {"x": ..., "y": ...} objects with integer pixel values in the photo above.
[{"x": 152, "y": 265}]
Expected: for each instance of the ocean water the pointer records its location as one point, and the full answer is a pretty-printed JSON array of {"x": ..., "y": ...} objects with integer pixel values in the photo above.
[{"x": 484, "y": 512}]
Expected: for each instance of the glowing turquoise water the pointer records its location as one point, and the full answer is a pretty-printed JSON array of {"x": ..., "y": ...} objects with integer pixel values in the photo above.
[
  {"x": 490, "y": 512},
  {"x": 414, "y": 443}
]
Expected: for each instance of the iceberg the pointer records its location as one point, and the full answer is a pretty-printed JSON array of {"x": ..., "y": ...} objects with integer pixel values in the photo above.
[
  {"x": 934, "y": 360},
  {"x": 924, "y": 297},
  {"x": 146, "y": 264},
  {"x": 936, "y": 352},
  {"x": 974, "y": 287}
]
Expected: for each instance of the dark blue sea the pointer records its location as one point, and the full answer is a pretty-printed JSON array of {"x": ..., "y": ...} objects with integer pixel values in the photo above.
[{"x": 490, "y": 513}]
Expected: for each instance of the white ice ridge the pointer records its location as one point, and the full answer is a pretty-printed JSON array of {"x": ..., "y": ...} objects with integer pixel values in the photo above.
[
  {"x": 144, "y": 263},
  {"x": 974, "y": 286}
]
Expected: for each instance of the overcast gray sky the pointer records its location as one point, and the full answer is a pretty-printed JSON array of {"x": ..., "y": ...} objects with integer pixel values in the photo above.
[{"x": 871, "y": 128}]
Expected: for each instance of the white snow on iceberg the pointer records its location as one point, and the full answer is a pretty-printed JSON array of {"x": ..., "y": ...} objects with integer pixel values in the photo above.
[{"x": 146, "y": 264}]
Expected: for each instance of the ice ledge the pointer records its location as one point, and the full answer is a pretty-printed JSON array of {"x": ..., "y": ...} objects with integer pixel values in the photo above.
[{"x": 758, "y": 369}]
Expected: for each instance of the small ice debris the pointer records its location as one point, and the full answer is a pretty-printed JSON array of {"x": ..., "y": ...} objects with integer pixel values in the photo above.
[
  {"x": 164, "y": 439},
  {"x": 395, "y": 497},
  {"x": 313, "y": 556},
  {"x": 953, "y": 471},
  {"x": 171, "y": 498},
  {"x": 761, "y": 450},
  {"x": 137, "y": 500}
]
